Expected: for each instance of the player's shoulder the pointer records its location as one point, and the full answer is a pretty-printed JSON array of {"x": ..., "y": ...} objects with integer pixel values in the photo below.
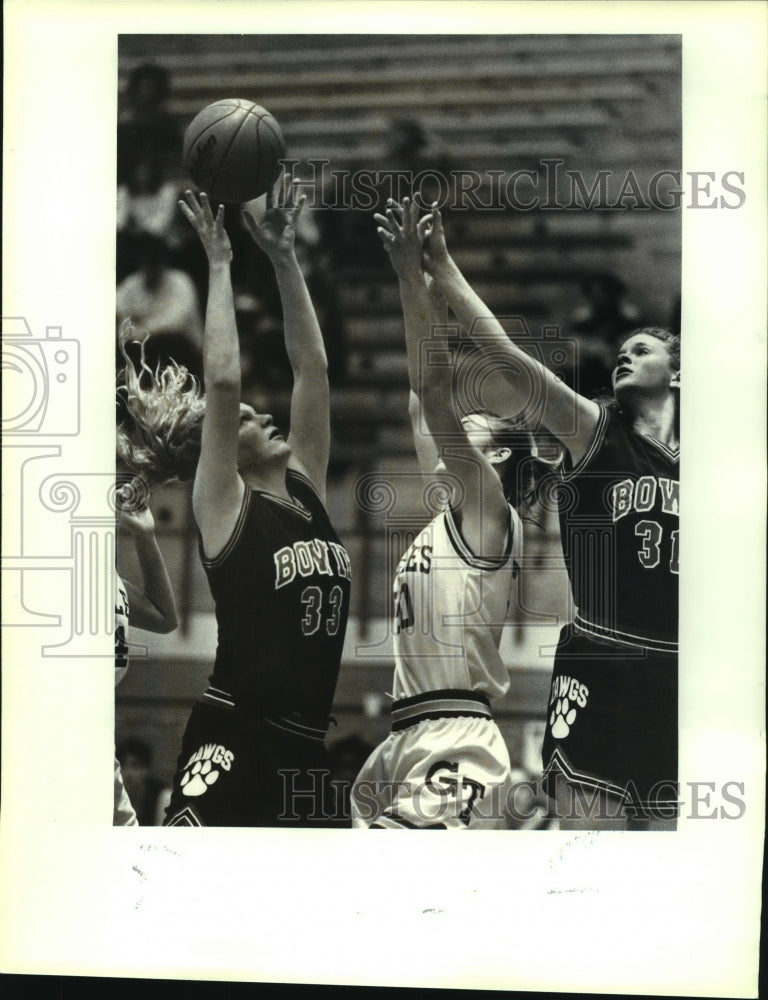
[
  {"x": 619, "y": 432},
  {"x": 301, "y": 487},
  {"x": 602, "y": 437}
]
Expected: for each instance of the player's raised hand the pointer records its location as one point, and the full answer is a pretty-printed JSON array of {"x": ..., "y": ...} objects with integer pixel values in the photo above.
[
  {"x": 133, "y": 513},
  {"x": 276, "y": 232},
  {"x": 137, "y": 522},
  {"x": 399, "y": 234},
  {"x": 208, "y": 227},
  {"x": 434, "y": 251}
]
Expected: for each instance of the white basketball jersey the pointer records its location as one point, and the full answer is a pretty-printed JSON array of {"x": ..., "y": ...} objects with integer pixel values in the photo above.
[
  {"x": 450, "y": 609},
  {"x": 121, "y": 630}
]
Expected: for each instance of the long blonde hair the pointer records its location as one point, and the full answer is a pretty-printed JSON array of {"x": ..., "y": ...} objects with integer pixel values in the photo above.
[{"x": 159, "y": 435}]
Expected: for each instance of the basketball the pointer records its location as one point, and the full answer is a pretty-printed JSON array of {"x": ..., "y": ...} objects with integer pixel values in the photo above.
[{"x": 232, "y": 150}]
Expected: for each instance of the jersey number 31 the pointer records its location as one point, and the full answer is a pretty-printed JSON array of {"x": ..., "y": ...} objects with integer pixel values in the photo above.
[{"x": 651, "y": 535}]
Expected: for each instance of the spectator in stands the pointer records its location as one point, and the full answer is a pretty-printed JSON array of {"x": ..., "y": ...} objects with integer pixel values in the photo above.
[
  {"x": 410, "y": 148},
  {"x": 163, "y": 301},
  {"x": 145, "y": 122},
  {"x": 413, "y": 147},
  {"x": 598, "y": 324},
  {"x": 147, "y": 202},
  {"x": 147, "y": 793}
]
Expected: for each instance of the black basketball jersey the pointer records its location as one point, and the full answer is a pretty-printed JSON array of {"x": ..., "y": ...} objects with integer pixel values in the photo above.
[
  {"x": 281, "y": 587},
  {"x": 619, "y": 514}
]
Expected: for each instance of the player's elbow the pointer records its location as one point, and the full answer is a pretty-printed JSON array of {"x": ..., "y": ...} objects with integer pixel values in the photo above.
[
  {"x": 312, "y": 378},
  {"x": 167, "y": 626},
  {"x": 167, "y": 621},
  {"x": 310, "y": 364}
]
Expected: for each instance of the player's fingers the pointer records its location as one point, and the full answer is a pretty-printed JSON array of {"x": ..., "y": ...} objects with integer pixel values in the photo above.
[
  {"x": 381, "y": 219},
  {"x": 193, "y": 205},
  {"x": 132, "y": 496},
  {"x": 206, "y": 207},
  {"x": 283, "y": 188},
  {"x": 410, "y": 209},
  {"x": 437, "y": 219},
  {"x": 301, "y": 203},
  {"x": 395, "y": 209},
  {"x": 292, "y": 190},
  {"x": 424, "y": 227},
  {"x": 187, "y": 211},
  {"x": 405, "y": 214},
  {"x": 191, "y": 197},
  {"x": 289, "y": 196},
  {"x": 394, "y": 222},
  {"x": 386, "y": 236},
  {"x": 413, "y": 215}
]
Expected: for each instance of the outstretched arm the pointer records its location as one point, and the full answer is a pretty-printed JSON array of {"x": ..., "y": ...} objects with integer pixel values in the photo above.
[
  {"x": 310, "y": 433},
  {"x": 153, "y": 606},
  {"x": 218, "y": 489},
  {"x": 426, "y": 449},
  {"x": 421, "y": 311},
  {"x": 532, "y": 385},
  {"x": 485, "y": 516}
]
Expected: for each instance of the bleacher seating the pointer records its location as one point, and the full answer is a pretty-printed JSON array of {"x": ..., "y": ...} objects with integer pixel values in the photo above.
[{"x": 497, "y": 103}]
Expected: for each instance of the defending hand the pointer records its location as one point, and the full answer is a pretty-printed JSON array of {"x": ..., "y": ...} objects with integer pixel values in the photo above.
[
  {"x": 399, "y": 233},
  {"x": 435, "y": 254}
]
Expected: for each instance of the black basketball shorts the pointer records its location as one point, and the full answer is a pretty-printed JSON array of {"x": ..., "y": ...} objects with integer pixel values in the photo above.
[
  {"x": 236, "y": 770},
  {"x": 612, "y": 723}
]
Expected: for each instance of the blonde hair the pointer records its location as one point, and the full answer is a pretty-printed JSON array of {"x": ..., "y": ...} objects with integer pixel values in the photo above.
[{"x": 159, "y": 436}]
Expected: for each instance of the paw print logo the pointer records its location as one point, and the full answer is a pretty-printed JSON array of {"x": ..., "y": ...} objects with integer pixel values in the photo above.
[
  {"x": 198, "y": 778},
  {"x": 562, "y": 718}
]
